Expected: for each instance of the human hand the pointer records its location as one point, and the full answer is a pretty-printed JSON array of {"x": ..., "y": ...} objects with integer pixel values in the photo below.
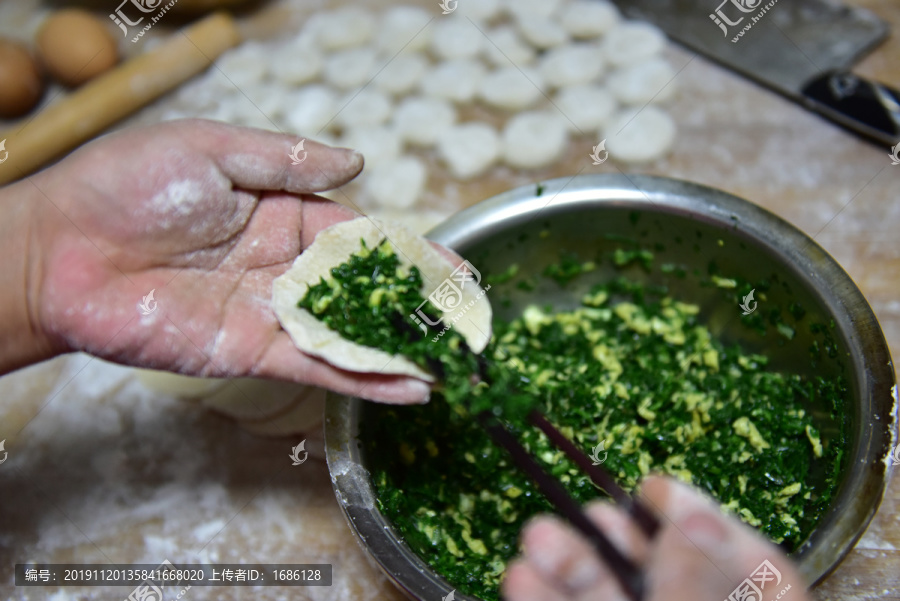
[
  {"x": 207, "y": 215},
  {"x": 699, "y": 554}
]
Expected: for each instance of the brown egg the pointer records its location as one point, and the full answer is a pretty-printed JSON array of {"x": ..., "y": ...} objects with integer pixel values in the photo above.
[
  {"x": 21, "y": 85},
  {"x": 76, "y": 46}
]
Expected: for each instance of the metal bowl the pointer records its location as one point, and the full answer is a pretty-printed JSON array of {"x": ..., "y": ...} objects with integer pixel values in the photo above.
[{"x": 687, "y": 224}]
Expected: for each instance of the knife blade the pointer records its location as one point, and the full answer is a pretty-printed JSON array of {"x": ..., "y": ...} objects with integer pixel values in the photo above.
[{"x": 802, "y": 49}]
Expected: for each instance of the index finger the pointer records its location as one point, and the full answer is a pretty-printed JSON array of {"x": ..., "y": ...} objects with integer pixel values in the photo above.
[{"x": 256, "y": 159}]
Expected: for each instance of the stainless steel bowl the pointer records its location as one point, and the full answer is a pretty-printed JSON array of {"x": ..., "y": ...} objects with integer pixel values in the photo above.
[{"x": 691, "y": 225}]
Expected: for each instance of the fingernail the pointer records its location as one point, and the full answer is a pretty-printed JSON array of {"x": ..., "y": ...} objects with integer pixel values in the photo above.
[
  {"x": 419, "y": 391},
  {"x": 705, "y": 531}
]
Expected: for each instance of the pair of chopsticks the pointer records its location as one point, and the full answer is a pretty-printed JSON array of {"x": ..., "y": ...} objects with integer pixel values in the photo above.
[{"x": 625, "y": 571}]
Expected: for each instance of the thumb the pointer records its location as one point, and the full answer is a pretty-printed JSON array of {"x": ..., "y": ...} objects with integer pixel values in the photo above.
[{"x": 703, "y": 554}]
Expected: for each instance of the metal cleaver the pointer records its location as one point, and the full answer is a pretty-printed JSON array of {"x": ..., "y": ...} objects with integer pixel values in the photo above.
[{"x": 803, "y": 49}]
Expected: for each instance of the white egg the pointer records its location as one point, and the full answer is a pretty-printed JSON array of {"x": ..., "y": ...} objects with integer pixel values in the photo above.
[
  {"x": 344, "y": 28},
  {"x": 403, "y": 27},
  {"x": 585, "y": 107},
  {"x": 511, "y": 88},
  {"x": 455, "y": 38},
  {"x": 378, "y": 144},
  {"x": 639, "y": 138},
  {"x": 397, "y": 184},
  {"x": 402, "y": 74},
  {"x": 422, "y": 120},
  {"x": 631, "y": 42},
  {"x": 571, "y": 65},
  {"x": 534, "y": 139},
  {"x": 310, "y": 109},
  {"x": 363, "y": 108},
  {"x": 455, "y": 80},
  {"x": 642, "y": 82},
  {"x": 469, "y": 149},
  {"x": 352, "y": 68},
  {"x": 586, "y": 19},
  {"x": 542, "y": 32},
  {"x": 505, "y": 47}
]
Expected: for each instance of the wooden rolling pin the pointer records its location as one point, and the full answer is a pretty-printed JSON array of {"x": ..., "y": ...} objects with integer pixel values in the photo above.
[{"x": 115, "y": 95}]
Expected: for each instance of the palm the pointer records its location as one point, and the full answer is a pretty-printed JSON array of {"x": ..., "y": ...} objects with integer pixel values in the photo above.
[{"x": 200, "y": 229}]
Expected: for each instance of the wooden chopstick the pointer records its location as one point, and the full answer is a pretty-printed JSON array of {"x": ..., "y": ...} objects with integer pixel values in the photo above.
[
  {"x": 625, "y": 571},
  {"x": 642, "y": 516}
]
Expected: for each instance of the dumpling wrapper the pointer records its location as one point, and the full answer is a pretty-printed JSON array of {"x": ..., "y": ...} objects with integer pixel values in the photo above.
[{"x": 332, "y": 247}]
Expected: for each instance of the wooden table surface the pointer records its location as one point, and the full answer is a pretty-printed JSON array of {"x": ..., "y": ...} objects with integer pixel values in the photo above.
[{"x": 112, "y": 471}]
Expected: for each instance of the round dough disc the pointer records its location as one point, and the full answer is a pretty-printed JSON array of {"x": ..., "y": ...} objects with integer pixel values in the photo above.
[
  {"x": 534, "y": 139},
  {"x": 397, "y": 184},
  {"x": 640, "y": 138},
  {"x": 422, "y": 120},
  {"x": 631, "y": 42},
  {"x": 469, "y": 149},
  {"x": 586, "y": 107},
  {"x": 642, "y": 82},
  {"x": 511, "y": 88}
]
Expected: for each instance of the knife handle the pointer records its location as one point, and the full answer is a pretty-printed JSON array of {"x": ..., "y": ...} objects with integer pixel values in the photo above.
[{"x": 865, "y": 107}]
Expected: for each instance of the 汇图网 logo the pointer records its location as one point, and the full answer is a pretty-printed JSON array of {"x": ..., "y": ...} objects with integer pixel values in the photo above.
[{"x": 447, "y": 297}]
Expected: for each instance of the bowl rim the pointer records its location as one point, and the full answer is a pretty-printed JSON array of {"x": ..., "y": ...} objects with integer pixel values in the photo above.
[{"x": 855, "y": 323}]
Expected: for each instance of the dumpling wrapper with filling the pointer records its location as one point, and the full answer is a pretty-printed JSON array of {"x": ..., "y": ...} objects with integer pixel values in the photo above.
[{"x": 332, "y": 247}]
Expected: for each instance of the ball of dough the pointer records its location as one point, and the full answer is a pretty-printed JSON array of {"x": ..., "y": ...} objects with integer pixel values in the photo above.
[
  {"x": 76, "y": 46},
  {"x": 571, "y": 65},
  {"x": 310, "y": 109},
  {"x": 366, "y": 107},
  {"x": 298, "y": 62},
  {"x": 21, "y": 85},
  {"x": 586, "y": 19},
  {"x": 422, "y": 120},
  {"x": 397, "y": 184},
  {"x": 512, "y": 88},
  {"x": 541, "y": 8},
  {"x": 586, "y": 107},
  {"x": 639, "y": 138},
  {"x": 506, "y": 48},
  {"x": 378, "y": 145},
  {"x": 631, "y": 42},
  {"x": 469, "y": 149},
  {"x": 455, "y": 37},
  {"x": 639, "y": 83},
  {"x": 534, "y": 139},
  {"x": 455, "y": 80},
  {"x": 402, "y": 74},
  {"x": 349, "y": 69},
  {"x": 344, "y": 28},
  {"x": 478, "y": 10},
  {"x": 403, "y": 28},
  {"x": 245, "y": 66},
  {"x": 542, "y": 32}
]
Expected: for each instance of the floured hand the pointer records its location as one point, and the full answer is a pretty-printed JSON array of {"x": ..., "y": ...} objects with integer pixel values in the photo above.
[
  {"x": 204, "y": 214},
  {"x": 699, "y": 554}
]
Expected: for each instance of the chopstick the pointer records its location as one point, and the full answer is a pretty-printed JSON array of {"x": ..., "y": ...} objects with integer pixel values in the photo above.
[
  {"x": 642, "y": 516},
  {"x": 625, "y": 571}
]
